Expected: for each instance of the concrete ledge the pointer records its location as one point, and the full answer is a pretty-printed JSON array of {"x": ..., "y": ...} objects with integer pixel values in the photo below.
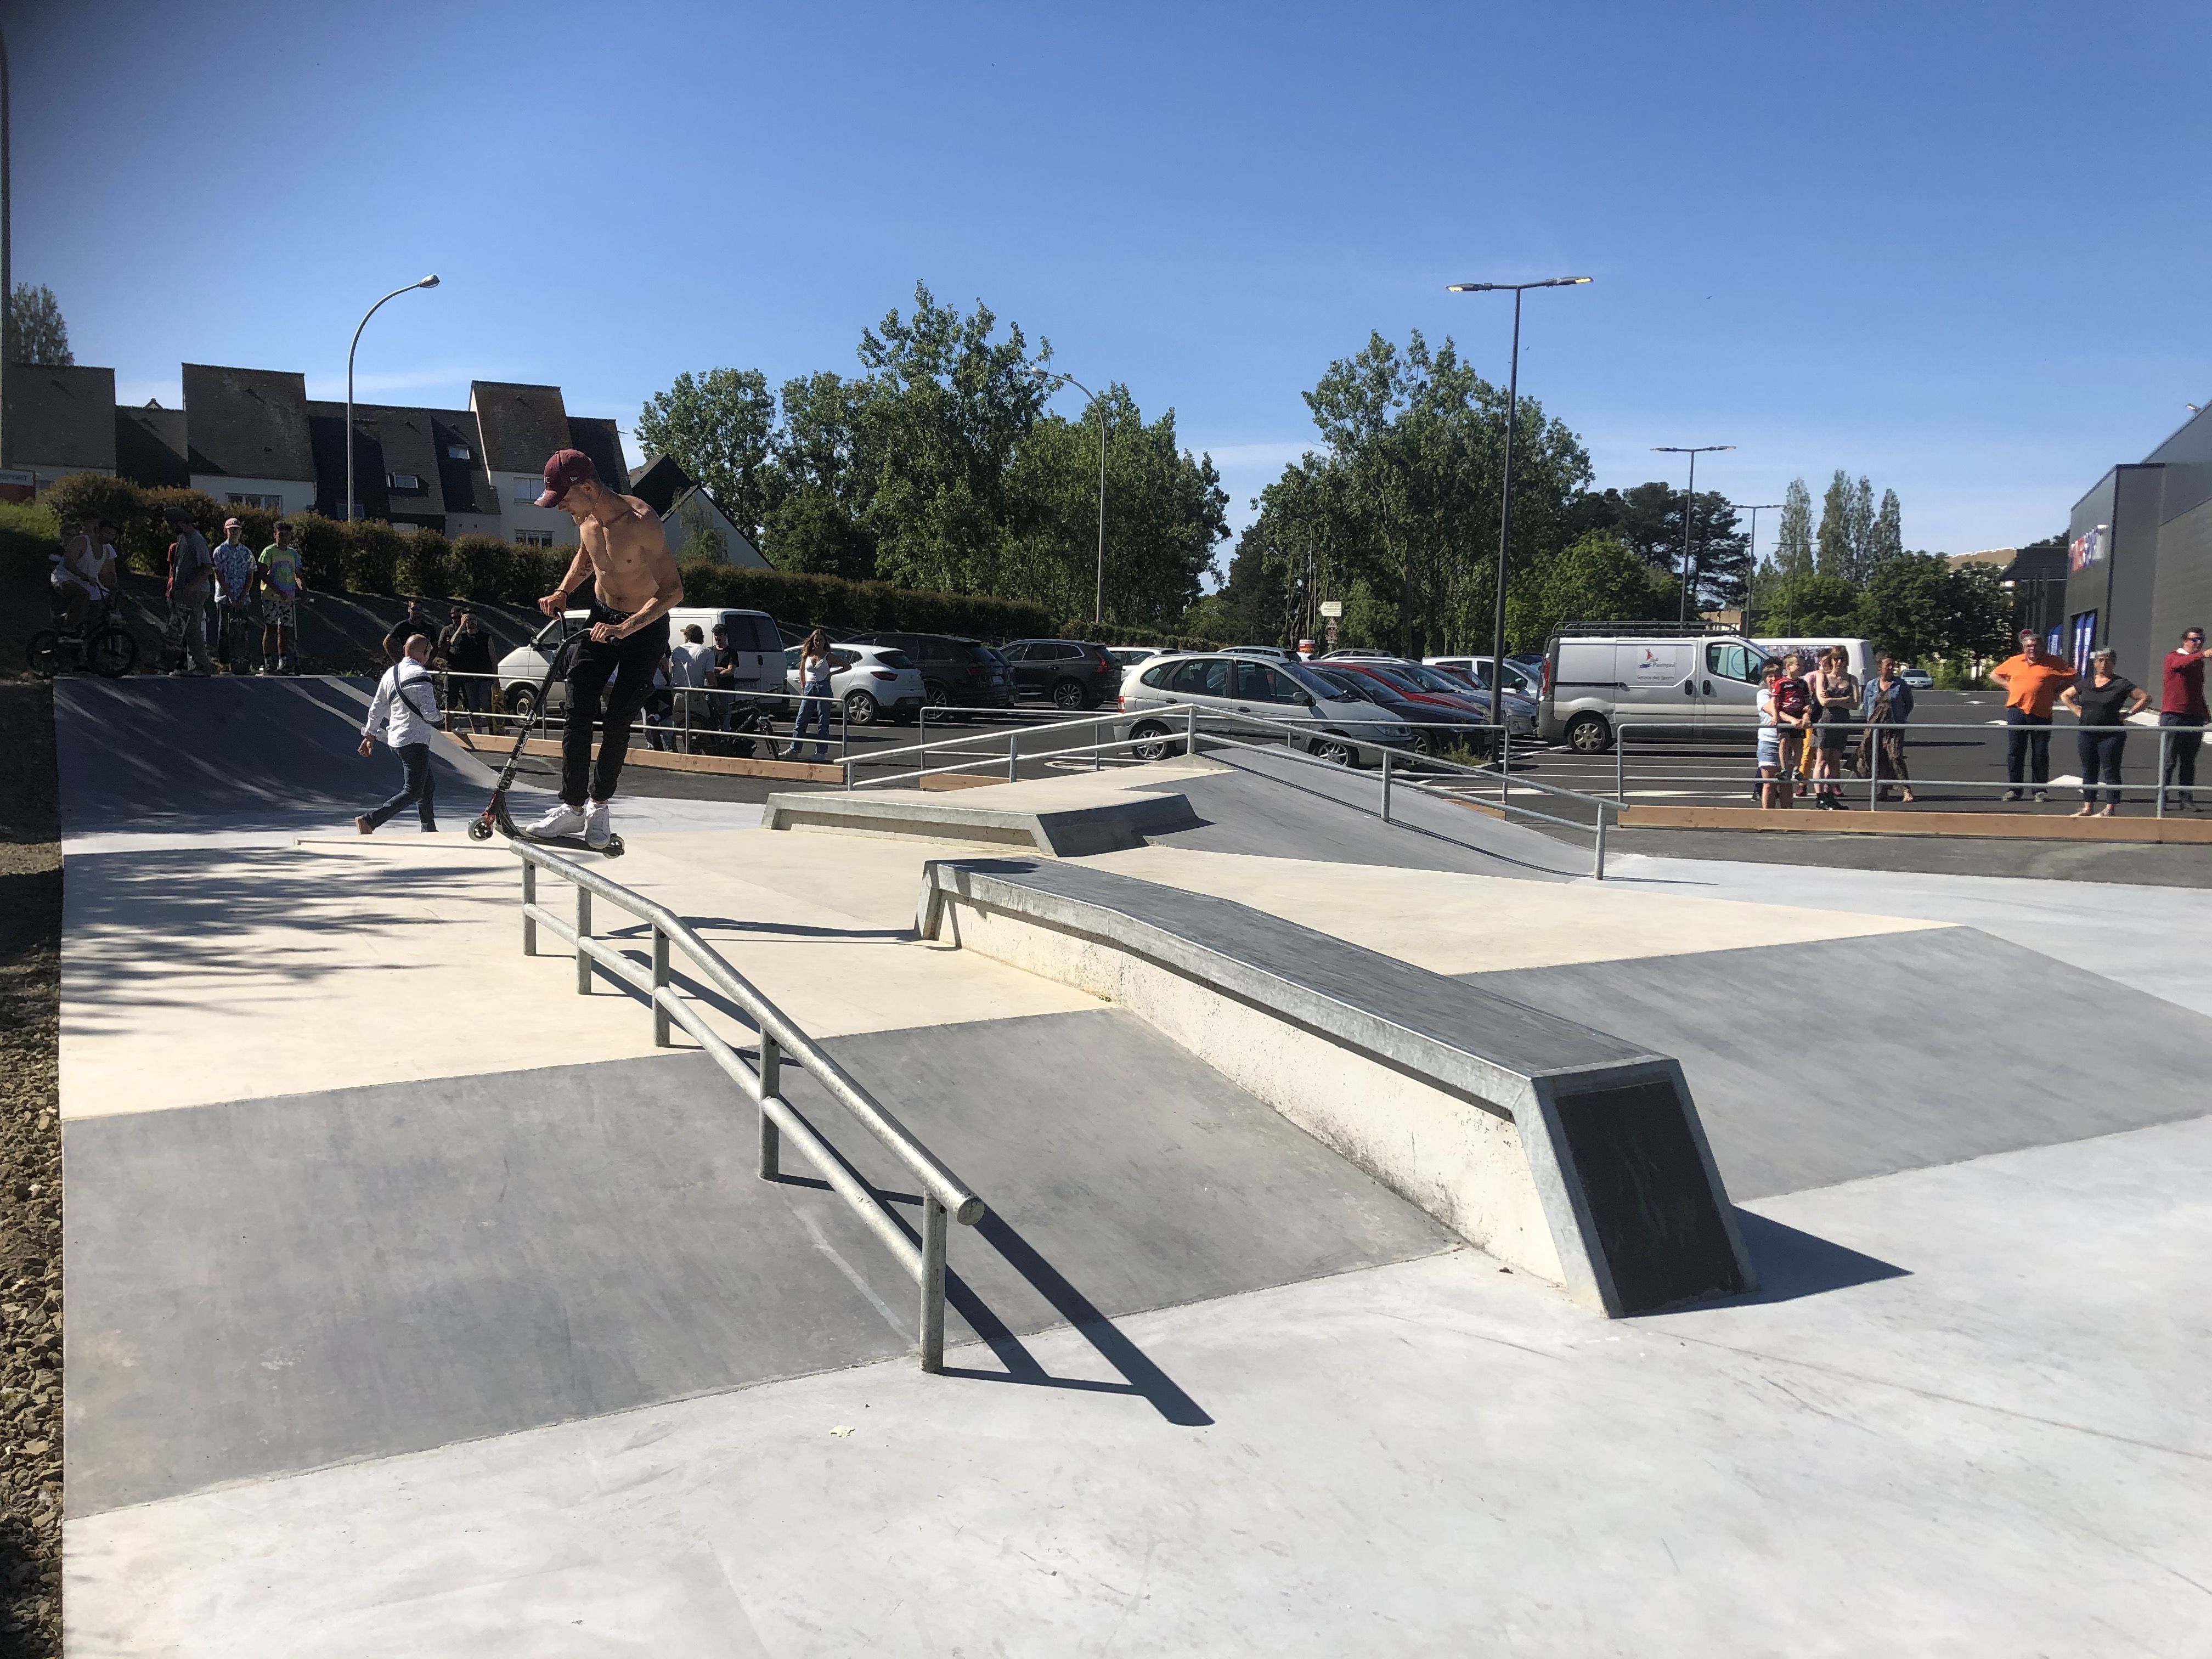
[
  {"x": 1558, "y": 1149},
  {"x": 1060, "y": 832},
  {"x": 730, "y": 765},
  {"x": 1903, "y": 820}
]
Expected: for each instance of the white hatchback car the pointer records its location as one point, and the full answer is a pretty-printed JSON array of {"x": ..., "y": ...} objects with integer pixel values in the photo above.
[
  {"x": 874, "y": 681},
  {"x": 1271, "y": 696}
]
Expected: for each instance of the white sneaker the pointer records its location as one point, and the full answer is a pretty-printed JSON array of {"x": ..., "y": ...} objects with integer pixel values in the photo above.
[
  {"x": 599, "y": 827},
  {"x": 563, "y": 820}
]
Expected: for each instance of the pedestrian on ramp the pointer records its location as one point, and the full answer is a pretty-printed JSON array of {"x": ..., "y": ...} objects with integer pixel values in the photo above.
[{"x": 405, "y": 709}]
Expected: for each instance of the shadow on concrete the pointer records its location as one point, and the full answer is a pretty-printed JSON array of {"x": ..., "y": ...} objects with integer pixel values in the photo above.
[{"x": 1790, "y": 1264}]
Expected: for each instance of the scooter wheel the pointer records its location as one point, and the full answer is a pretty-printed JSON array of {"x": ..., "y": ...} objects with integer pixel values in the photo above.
[
  {"x": 479, "y": 830},
  {"x": 613, "y": 849}
]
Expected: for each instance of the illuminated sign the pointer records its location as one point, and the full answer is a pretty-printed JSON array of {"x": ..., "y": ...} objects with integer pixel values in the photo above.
[{"x": 2086, "y": 549}]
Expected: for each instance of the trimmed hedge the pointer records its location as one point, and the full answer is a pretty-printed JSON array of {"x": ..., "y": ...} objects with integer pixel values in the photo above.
[{"x": 372, "y": 557}]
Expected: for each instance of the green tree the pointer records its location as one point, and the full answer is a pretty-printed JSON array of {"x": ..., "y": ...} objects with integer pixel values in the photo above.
[
  {"x": 36, "y": 333},
  {"x": 720, "y": 428},
  {"x": 1860, "y": 524},
  {"x": 1598, "y": 577},
  {"x": 1832, "y": 555},
  {"x": 1888, "y": 530},
  {"x": 811, "y": 529},
  {"x": 1793, "y": 540}
]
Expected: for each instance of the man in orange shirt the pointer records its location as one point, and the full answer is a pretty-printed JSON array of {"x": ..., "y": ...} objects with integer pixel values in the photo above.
[{"x": 2033, "y": 680}]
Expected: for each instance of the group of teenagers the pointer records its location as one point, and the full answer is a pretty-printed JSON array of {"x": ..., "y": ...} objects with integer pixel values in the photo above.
[{"x": 1813, "y": 711}]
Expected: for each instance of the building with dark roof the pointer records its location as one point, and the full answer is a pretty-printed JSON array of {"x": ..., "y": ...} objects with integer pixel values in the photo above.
[
  {"x": 694, "y": 523},
  {"x": 250, "y": 435},
  {"x": 59, "y": 420},
  {"x": 2138, "y": 567},
  {"x": 247, "y": 436}
]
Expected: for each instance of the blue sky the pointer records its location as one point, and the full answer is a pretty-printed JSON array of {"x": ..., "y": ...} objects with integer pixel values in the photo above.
[{"x": 1958, "y": 248}]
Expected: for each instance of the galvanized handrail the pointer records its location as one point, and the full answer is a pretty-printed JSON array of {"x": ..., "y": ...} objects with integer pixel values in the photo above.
[{"x": 943, "y": 1193}]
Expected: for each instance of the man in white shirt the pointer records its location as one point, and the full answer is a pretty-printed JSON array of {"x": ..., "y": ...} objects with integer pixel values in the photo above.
[
  {"x": 86, "y": 566},
  {"x": 405, "y": 708},
  {"x": 693, "y": 662}
]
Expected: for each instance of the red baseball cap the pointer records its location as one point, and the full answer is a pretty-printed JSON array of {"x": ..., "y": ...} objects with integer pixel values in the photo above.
[{"x": 567, "y": 469}]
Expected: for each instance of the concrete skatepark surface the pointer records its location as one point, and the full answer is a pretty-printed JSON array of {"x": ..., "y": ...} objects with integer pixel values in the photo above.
[{"x": 1218, "y": 1392}]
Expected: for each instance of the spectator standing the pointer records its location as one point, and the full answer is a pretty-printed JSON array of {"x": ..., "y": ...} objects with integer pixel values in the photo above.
[
  {"x": 1835, "y": 692},
  {"x": 237, "y": 573},
  {"x": 2102, "y": 698},
  {"x": 466, "y": 647},
  {"x": 405, "y": 709},
  {"x": 693, "y": 662},
  {"x": 191, "y": 573},
  {"x": 418, "y": 620},
  {"x": 283, "y": 588},
  {"x": 814, "y": 670},
  {"x": 77, "y": 577},
  {"x": 1887, "y": 707},
  {"x": 1770, "y": 736},
  {"x": 1793, "y": 710},
  {"x": 2033, "y": 680},
  {"x": 2182, "y": 705}
]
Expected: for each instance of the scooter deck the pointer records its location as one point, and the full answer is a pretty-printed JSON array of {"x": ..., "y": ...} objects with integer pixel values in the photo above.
[{"x": 495, "y": 816}]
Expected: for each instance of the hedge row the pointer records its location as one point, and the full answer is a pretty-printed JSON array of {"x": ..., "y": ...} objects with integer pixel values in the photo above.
[{"x": 370, "y": 556}]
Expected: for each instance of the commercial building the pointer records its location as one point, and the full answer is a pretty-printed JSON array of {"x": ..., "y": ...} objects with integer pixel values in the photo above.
[
  {"x": 252, "y": 436},
  {"x": 2139, "y": 554}
]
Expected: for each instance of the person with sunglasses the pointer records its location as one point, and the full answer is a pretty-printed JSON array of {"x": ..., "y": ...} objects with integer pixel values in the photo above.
[{"x": 2182, "y": 705}]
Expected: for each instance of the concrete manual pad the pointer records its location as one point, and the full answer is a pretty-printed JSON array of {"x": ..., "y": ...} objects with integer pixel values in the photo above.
[
  {"x": 1816, "y": 1064},
  {"x": 283, "y": 1284},
  {"x": 2000, "y": 1451}
]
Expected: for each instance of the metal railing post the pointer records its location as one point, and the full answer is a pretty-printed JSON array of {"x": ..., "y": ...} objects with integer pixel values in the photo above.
[
  {"x": 583, "y": 933},
  {"x": 933, "y": 1283},
  {"x": 1190, "y": 736},
  {"x": 529, "y": 898},
  {"x": 1504, "y": 765},
  {"x": 771, "y": 1080},
  {"x": 1386, "y": 785},
  {"x": 1597, "y": 863},
  {"x": 1621, "y": 765},
  {"x": 2164, "y": 733},
  {"x": 1014, "y": 754},
  {"x": 659, "y": 984}
]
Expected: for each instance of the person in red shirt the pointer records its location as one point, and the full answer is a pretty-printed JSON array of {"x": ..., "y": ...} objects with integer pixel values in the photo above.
[
  {"x": 2183, "y": 706},
  {"x": 2033, "y": 680}
]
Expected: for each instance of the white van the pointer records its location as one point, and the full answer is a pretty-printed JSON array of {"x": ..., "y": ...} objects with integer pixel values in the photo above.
[
  {"x": 1670, "y": 683},
  {"x": 1861, "y": 651},
  {"x": 756, "y": 653}
]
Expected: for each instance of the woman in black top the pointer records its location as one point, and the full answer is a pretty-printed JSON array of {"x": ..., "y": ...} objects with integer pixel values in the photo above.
[{"x": 2102, "y": 698}]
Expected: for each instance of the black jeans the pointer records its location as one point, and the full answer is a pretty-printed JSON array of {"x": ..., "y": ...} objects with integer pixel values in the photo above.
[
  {"x": 417, "y": 785},
  {"x": 2030, "y": 737},
  {"x": 2101, "y": 753},
  {"x": 620, "y": 672},
  {"x": 2181, "y": 753}
]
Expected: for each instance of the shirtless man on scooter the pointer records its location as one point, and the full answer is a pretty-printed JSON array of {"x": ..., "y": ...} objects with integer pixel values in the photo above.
[{"x": 633, "y": 587}]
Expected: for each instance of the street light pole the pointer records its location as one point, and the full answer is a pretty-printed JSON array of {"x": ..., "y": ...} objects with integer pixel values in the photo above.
[
  {"x": 1505, "y": 509},
  {"x": 428, "y": 281},
  {"x": 1689, "y": 515},
  {"x": 1099, "y": 592},
  {"x": 1762, "y": 507}
]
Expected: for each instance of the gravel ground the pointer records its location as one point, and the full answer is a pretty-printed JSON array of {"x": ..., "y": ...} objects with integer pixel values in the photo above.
[{"x": 30, "y": 1178}]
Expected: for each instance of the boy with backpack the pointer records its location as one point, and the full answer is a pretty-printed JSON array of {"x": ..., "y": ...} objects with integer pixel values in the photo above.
[{"x": 405, "y": 707}]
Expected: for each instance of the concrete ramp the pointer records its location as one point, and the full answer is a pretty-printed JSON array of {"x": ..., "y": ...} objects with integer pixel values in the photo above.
[
  {"x": 152, "y": 753},
  {"x": 1032, "y": 817}
]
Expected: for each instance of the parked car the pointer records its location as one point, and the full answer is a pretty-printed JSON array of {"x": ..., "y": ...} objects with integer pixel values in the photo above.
[
  {"x": 1129, "y": 656},
  {"x": 1476, "y": 671},
  {"x": 874, "y": 681},
  {"x": 954, "y": 671},
  {"x": 1432, "y": 686},
  {"x": 1225, "y": 685},
  {"x": 1073, "y": 674},
  {"x": 1679, "y": 683},
  {"x": 1269, "y": 653},
  {"x": 1918, "y": 678},
  {"x": 756, "y": 656},
  {"x": 1353, "y": 651},
  {"x": 1434, "y": 729}
]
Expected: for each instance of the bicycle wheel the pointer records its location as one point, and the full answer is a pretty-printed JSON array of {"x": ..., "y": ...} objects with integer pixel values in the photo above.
[
  {"x": 45, "y": 655},
  {"x": 113, "y": 651}
]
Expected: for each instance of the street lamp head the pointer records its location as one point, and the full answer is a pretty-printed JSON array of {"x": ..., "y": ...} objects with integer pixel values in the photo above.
[
  {"x": 428, "y": 281},
  {"x": 1493, "y": 287}
]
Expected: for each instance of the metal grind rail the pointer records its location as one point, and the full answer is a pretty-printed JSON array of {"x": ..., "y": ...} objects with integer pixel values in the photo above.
[
  {"x": 1710, "y": 769},
  {"x": 943, "y": 1193},
  {"x": 1195, "y": 737}
]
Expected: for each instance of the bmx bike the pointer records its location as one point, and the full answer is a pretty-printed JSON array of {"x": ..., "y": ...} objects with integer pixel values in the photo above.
[{"x": 100, "y": 644}]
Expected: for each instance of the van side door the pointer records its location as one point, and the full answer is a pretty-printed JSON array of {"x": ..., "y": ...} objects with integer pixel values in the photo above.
[
  {"x": 1728, "y": 687},
  {"x": 1659, "y": 690}
]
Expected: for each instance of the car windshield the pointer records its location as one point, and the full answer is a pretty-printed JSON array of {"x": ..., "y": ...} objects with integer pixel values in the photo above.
[
  {"x": 1342, "y": 684},
  {"x": 1427, "y": 678},
  {"x": 1306, "y": 679}
]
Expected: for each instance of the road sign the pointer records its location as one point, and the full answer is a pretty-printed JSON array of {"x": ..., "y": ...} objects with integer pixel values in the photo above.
[{"x": 1331, "y": 608}]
